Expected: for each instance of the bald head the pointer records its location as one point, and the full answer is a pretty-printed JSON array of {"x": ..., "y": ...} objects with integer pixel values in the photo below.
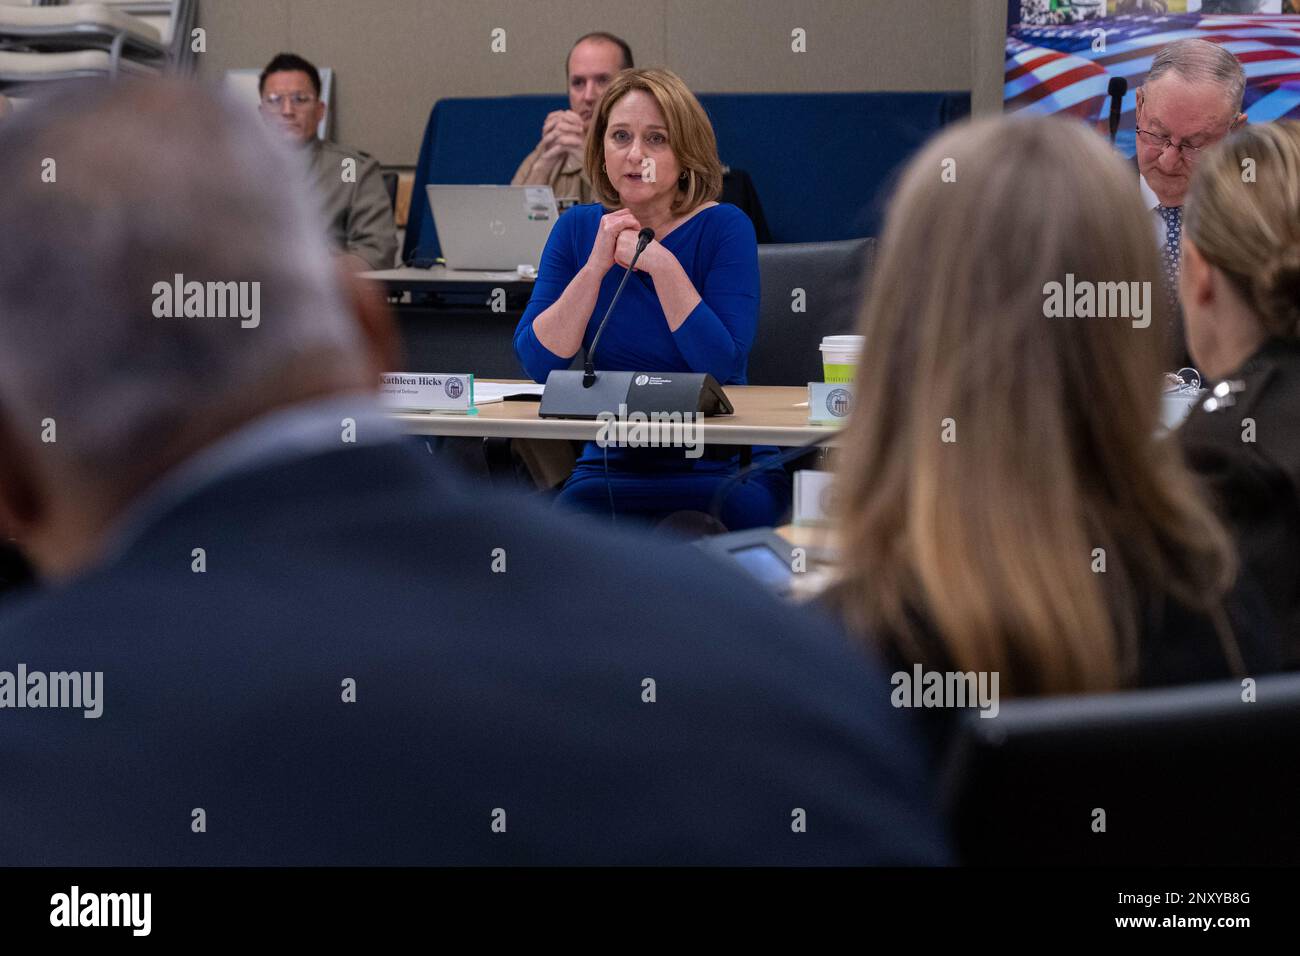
[{"x": 112, "y": 193}]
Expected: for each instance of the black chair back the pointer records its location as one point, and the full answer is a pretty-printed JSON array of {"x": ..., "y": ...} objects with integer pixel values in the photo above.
[
  {"x": 1187, "y": 775},
  {"x": 825, "y": 280},
  {"x": 738, "y": 189}
]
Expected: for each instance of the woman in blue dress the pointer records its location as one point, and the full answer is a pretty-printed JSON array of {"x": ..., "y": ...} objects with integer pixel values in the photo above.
[{"x": 691, "y": 305}]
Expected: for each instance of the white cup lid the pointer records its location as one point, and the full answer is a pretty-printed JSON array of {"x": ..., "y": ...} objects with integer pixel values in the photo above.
[{"x": 842, "y": 343}]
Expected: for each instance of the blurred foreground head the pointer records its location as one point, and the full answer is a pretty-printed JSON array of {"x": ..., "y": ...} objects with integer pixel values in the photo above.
[
  {"x": 1240, "y": 284},
  {"x": 114, "y": 195},
  {"x": 1002, "y": 436}
]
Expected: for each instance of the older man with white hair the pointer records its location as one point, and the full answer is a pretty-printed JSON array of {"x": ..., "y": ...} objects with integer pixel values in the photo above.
[
  {"x": 308, "y": 646},
  {"x": 1191, "y": 99}
]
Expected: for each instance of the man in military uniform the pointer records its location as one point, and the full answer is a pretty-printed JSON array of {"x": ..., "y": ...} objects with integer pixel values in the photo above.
[
  {"x": 348, "y": 181},
  {"x": 593, "y": 62}
]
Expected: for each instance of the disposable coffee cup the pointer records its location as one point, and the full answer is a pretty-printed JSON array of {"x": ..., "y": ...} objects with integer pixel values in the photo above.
[{"x": 840, "y": 357}]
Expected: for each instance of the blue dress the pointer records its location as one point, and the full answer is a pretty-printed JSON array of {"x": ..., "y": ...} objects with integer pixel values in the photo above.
[{"x": 717, "y": 249}]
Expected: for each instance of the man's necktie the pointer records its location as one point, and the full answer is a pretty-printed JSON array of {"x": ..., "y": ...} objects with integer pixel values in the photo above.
[{"x": 1173, "y": 217}]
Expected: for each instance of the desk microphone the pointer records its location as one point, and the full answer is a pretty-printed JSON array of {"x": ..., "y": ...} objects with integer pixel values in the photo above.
[
  {"x": 1116, "y": 89},
  {"x": 588, "y": 367}
]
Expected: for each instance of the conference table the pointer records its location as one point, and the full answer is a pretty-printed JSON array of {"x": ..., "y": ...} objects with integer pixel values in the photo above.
[
  {"x": 764, "y": 415},
  {"x": 439, "y": 278}
]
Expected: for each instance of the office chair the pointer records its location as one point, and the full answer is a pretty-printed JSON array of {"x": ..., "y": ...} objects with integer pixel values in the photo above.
[
  {"x": 833, "y": 276},
  {"x": 1186, "y": 775}
]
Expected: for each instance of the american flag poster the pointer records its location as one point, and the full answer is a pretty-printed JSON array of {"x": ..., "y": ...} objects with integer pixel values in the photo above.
[{"x": 1061, "y": 54}]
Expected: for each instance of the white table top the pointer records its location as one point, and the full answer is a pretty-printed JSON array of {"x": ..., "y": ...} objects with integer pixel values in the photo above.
[
  {"x": 765, "y": 415},
  {"x": 409, "y": 277}
]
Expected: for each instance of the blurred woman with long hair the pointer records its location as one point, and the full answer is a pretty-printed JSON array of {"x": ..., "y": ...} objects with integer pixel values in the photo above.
[{"x": 1003, "y": 503}]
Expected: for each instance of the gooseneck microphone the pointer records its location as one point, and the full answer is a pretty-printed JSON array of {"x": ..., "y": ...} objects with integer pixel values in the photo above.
[
  {"x": 588, "y": 366},
  {"x": 1116, "y": 89}
]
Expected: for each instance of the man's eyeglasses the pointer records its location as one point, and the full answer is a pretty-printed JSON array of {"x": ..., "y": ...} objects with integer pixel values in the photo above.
[
  {"x": 1189, "y": 153},
  {"x": 275, "y": 100}
]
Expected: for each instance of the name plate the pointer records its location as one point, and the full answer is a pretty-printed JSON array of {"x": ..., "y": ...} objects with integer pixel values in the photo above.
[
  {"x": 829, "y": 403},
  {"x": 427, "y": 392}
]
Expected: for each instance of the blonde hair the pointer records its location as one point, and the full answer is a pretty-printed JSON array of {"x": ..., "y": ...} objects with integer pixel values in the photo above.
[
  {"x": 1251, "y": 229},
  {"x": 690, "y": 136},
  {"x": 991, "y": 539}
]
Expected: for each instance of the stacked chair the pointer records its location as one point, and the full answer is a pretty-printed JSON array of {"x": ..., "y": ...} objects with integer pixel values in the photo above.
[{"x": 44, "y": 41}]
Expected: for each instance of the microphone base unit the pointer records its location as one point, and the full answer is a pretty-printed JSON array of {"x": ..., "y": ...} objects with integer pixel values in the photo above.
[{"x": 646, "y": 392}]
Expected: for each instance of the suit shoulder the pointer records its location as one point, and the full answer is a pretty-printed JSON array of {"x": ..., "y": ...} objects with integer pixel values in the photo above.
[
  {"x": 1269, "y": 384},
  {"x": 1275, "y": 406},
  {"x": 1257, "y": 415},
  {"x": 702, "y": 587},
  {"x": 1281, "y": 361},
  {"x": 343, "y": 151}
]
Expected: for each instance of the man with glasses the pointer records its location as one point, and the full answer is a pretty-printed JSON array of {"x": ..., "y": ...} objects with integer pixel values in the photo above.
[
  {"x": 1191, "y": 99},
  {"x": 348, "y": 181}
]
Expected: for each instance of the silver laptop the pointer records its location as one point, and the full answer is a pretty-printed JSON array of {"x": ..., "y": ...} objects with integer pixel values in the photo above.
[{"x": 492, "y": 228}]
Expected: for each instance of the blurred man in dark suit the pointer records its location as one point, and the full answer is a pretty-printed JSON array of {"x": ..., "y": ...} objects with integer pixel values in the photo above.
[{"x": 305, "y": 646}]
